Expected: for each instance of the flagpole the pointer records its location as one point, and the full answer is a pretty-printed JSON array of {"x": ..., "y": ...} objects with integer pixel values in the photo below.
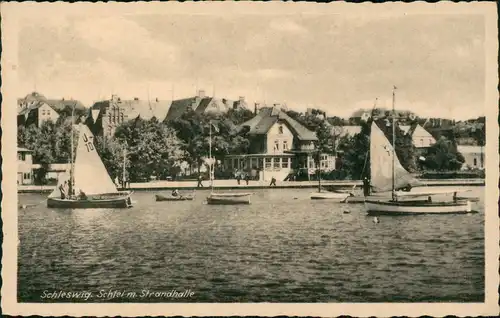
[
  {"x": 393, "y": 139},
  {"x": 210, "y": 157}
]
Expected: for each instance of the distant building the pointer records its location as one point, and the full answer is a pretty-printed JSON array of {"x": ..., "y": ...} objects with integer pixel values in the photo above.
[
  {"x": 421, "y": 138},
  {"x": 36, "y": 109},
  {"x": 473, "y": 155},
  {"x": 24, "y": 166},
  {"x": 105, "y": 116},
  {"x": 203, "y": 104},
  {"x": 279, "y": 146}
]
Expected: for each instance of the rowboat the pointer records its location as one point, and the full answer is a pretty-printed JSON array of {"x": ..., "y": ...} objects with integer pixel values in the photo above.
[
  {"x": 160, "y": 197},
  {"x": 222, "y": 198},
  {"x": 327, "y": 195},
  {"x": 228, "y": 198}
]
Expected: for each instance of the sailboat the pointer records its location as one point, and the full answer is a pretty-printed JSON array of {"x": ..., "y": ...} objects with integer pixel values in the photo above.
[
  {"x": 223, "y": 198},
  {"x": 322, "y": 194},
  {"x": 90, "y": 185},
  {"x": 387, "y": 174}
]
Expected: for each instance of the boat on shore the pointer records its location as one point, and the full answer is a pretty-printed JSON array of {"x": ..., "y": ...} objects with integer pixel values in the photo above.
[
  {"x": 404, "y": 198},
  {"x": 89, "y": 185},
  {"x": 180, "y": 197}
]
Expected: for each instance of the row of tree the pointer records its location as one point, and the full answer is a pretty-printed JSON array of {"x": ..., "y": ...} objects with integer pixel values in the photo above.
[{"x": 154, "y": 148}]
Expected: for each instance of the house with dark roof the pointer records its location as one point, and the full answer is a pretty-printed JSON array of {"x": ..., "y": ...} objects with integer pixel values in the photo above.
[
  {"x": 105, "y": 116},
  {"x": 35, "y": 108},
  {"x": 280, "y": 146},
  {"x": 203, "y": 104}
]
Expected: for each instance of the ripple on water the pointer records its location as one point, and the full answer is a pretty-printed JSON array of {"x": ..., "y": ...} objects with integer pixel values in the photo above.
[{"x": 275, "y": 250}]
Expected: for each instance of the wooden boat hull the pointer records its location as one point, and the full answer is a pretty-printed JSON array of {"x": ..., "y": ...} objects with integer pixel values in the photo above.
[
  {"x": 329, "y": 196},
  {"x": 417, "y": 207},
  {"x": 104, "y": 201},
  {"x": 228, "y": 199},
  {"x": 160, "y": 197}
]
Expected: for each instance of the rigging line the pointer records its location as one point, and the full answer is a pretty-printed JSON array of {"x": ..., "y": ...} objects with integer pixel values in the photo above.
[{"x": 366, "y": 155}]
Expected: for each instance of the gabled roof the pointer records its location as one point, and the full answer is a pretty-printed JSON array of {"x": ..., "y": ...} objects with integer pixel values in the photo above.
[
  {"x": 179, "y": 106},
  {"x": 34, "y": 105},
  {"x": 418, "y": 132},
  {"x": 268, "y": 116}
]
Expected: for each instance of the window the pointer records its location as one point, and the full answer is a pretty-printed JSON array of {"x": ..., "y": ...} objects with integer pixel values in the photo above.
[
  {"x": 20, "y": 156},
  {"x": 280, "y": 129},
  {"x": 422, "y": 142},
  {"x": 28, "y": 176},
  {"x": 268, "y": 162},
  {"x": 284, "y": 162},
  {"x": 277, "y": 162},
  {"x": 475, "y": 162},
  {"x": 261, "y": 163},
  {"x": 311, "y": 164},
  {"x": 285, "y": 145},
  {"x": 276, "y": 145}
]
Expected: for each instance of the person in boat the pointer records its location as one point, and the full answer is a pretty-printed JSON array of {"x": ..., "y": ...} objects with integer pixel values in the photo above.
[
  {"x": 429, "y": 199},
  {"x": 62, "y": 189},
  {"x": 175, "y": 193},
  {"x": 82, "y": 195}
]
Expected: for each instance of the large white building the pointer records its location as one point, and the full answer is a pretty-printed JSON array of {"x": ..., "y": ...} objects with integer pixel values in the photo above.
[{"x": 473, "y": 155}]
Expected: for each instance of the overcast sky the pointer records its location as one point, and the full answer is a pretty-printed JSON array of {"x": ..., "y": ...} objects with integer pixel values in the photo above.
[{"x": 338, "y": 63}]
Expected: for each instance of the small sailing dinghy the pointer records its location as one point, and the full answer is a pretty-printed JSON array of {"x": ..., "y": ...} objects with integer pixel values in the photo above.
[
  {"x": 387, "y": 174},
  {"x": 89, "y": 184},
  {"x": 223, "y": 198}
]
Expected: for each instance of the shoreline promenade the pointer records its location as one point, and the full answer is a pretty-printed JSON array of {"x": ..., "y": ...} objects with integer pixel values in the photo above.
[{"x": 233, "y": 185}]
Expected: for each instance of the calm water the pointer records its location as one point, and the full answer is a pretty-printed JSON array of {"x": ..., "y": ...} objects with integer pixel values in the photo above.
[{"x": 281, "y": 248}]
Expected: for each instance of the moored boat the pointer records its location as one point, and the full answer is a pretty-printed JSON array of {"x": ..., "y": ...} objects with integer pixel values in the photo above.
[
  {"x": 223, "y": 198},
  {"x": 188, "y": 197},
  {"x": 89, "y": 185},
  {"x": 387, "y": 174},
  {"x": 327, "y": 195},
  {"x": 229, "y": 198}
]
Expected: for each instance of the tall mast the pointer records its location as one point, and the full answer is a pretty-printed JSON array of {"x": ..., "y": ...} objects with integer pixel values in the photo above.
[
  {"x": 124, "y": 164},
  {"x": 210, "y": 157},
  {"x": 71, "y": 172},
  {"x": 393, "y": 139}
]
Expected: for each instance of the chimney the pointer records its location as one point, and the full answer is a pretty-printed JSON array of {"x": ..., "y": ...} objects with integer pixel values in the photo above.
[
  {"x": 136, "y": 98},
  {"x": 157, "y": 100},
  {"x": 201, "y": 93},
  {"x": 241, "y": 99}
]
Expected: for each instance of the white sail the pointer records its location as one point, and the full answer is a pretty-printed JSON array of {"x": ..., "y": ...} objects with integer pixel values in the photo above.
[
  {"x": 62, "y": 178},
  {"x": 90, "y": 175},
  {"x": 381, "y": 153}
]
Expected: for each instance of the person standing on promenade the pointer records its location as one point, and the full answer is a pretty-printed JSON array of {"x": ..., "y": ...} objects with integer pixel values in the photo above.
[
  {"x": 273, "y": 182},
  {"x": 238, "y": 178},
  {"x": 200, "y": 183},
  {"x": 366, "y": 187},
  {"x": 247, "y": 178}
]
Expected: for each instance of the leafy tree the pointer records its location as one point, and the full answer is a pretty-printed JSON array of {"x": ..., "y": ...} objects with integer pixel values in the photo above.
[
  {"x": 444, "y": 156},
  {"x": 152, "y": 148},
  {"x": 354, "y": 153},
  {"x": 239, "y": 115}
]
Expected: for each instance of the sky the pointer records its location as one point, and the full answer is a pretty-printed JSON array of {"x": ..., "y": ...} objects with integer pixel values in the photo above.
[{"x": 338, "y": 63}]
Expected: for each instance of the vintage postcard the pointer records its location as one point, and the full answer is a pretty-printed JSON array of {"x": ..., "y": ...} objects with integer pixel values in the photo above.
[{"x": 239, "y": 158}]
